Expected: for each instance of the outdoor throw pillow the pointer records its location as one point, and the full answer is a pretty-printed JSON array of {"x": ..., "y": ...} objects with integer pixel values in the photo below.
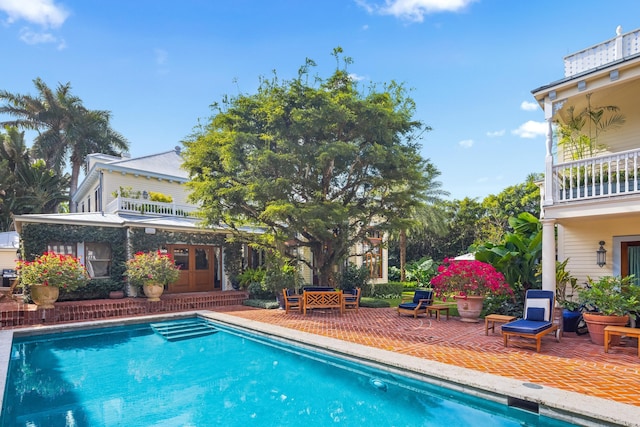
[{"x": 535, "y": 314}]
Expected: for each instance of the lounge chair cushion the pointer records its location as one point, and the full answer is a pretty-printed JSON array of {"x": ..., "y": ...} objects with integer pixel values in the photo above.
[
  {"x": 422, "y": 295},
  {"x": 527, "y": 327},
  {"x": 539, "y": 303},
  {"x": 409, "y": 305},
  {"x": 535, "y": 314}
]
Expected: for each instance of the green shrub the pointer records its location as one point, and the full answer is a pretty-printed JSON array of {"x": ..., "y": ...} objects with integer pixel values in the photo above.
[
  {"x": 373, "y": 303},
  {"x": 249, "y": 276},
  {"x": 258, "y": 290},
  {"x": 387, "y": 290},
  {"x": 260, "y": 303},
  {"x": 159, "y": 197},
  {"x": 353, "y": 277}
]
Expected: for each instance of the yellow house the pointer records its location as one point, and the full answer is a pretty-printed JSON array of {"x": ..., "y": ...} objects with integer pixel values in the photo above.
[{"x": 591, "y": 191}]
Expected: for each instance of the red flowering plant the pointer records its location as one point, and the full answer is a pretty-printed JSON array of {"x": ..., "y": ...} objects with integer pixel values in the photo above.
[
  {"x": 152, "y": 267},
  {"x": 51, "y": 269},
  {"x": 462, "y": 278}
]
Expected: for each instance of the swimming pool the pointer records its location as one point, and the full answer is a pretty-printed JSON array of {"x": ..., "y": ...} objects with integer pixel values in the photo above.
[{"x": 132, "y": 376}]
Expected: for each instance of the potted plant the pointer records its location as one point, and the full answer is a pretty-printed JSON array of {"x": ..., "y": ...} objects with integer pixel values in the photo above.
[
  {"x": 48, "y": 273},
  {"x": 570, "y": 306},
  {"x": 153, "y": 271},
  {"x": 614, "y": 298},
  {"x": 468, "y": 282}
]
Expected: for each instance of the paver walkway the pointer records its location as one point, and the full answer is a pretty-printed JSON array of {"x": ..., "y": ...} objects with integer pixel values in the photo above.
[{"x": 574, "y": 364}]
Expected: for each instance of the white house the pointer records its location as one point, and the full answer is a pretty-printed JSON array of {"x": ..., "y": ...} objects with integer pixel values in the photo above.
[{"x": 591, "y": 191}]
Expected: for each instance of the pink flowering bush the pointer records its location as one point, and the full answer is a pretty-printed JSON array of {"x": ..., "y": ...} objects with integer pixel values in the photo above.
[
  {"x": 468, "y": 278},
  {"x": 51, "y": 269},
  {"x": 152, "y": 267}
]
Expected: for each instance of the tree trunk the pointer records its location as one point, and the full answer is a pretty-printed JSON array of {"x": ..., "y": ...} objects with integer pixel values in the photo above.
[
  {"x": 73, "y": 185},
  {"x": 403, "y": 253}
]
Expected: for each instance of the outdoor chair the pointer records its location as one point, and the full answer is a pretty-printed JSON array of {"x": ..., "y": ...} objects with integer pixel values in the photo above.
[
  {"x": 537, "y": 321},
  {"x": 292, "y": 301},
  {"x": 351, "y": 298},
  {"x": 418, "y": 304}
]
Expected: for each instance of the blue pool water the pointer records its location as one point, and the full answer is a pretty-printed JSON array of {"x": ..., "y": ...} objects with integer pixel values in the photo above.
[{"x": 131, "y": 376}]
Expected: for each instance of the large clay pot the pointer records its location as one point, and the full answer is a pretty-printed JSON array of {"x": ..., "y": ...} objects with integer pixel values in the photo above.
[
  {"x": 597, "y": 322},
  {"x": 44, "y": 296},
  {"x": 469, "y": 308},
  {"x": 153, "y": 291}
]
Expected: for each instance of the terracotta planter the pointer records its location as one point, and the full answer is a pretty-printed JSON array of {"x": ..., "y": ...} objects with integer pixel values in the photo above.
[
  {"x": 44, "y": 296},
  {"x": 153, "y": 291},
  {"x": 469, "y": 308},
  {"x": 596, "y": 324}
]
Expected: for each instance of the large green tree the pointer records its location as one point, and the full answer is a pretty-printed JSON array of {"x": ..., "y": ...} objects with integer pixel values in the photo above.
[
  {"x": 316, "y": 164},
  {"x": 26, "y": 185},
  {"x": 67, "y": 131}
]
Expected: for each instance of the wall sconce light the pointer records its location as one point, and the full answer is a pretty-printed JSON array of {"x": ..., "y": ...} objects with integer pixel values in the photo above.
[
  {"x": 145, "y": 195},
  {"x": 601, "y": 255}
]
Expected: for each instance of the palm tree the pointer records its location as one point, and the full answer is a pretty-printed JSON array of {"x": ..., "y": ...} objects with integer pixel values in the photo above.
[
  {"x": 67, "y": 131},
  {"x": 425, "y": 217},
  {"x": 26, "y": 186}
]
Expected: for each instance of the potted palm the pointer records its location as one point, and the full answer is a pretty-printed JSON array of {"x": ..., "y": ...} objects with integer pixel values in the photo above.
[
  {"x": 469, "y": 282},
  {"x": 48, "y": 273},
  {"x": 614, "y": 298},
  {"x": 152, "y": 271}
]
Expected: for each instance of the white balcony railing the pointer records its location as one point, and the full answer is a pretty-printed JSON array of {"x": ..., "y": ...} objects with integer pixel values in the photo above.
[
  {"x": 146, "y": 207},
  {"x": 612, "y": 175},
  {"x": 621, "y": 46}
]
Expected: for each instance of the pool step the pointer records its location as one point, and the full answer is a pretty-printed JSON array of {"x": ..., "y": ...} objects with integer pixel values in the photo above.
[{"x": 175, "y": 331}]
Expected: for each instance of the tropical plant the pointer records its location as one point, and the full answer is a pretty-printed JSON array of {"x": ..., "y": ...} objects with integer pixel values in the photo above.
[
  {"x": 67, "y": 131},
  {"x": 518, "y": 254},
  {"x": 249, "y": 276},
  {"x": 152, "y": 267},
  {"x": 581, "y": 143},
  {"x": 422, "y": 271},
  {"x": 51, "y": 269},
  {"x": 612, "y": 295},
  {"x": 468, "y": 278},
  {"x": 352, "y": 277}
]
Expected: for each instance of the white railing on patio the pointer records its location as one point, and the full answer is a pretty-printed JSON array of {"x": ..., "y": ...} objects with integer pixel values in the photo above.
[
  {"x": 605, "y": 176},
  {"x": 147, "y": 207},
  {"x": 621, "y": 46}
]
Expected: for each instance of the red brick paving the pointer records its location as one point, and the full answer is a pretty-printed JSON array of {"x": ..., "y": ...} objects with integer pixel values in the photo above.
[{"x": 574, "y": 364}]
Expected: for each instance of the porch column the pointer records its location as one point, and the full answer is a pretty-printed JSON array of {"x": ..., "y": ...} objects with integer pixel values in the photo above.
[
  {"x": 548, "y": 162},
  {"x": 548, "y": 255}
]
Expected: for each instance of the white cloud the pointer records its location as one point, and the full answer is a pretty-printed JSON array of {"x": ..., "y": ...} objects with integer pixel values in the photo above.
[
  {"x": 356, "y": 78},
  {"x": 466, "y": 143},
  {"x": 531, "y": 129},
  {"x": 414, "y": 10},
  {"x": 30, "y": 37},
  {"x": 496, "y": 133},
  {"x": 42, "y": 12},
  {"x": 528, "y": 106}
]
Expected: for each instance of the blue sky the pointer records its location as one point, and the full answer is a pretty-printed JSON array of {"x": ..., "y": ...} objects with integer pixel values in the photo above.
[{"x": 158, "y": 65}]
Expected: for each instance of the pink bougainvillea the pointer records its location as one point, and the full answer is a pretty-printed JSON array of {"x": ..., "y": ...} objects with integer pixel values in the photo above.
[{"x": 461, "y": 278}]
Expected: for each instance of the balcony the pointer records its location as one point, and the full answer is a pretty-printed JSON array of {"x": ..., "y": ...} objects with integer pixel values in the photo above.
[
  {"x": 607, "y": 176},
  {"x": 620, "y": 47},
  {"x": 146, "y": 207}
]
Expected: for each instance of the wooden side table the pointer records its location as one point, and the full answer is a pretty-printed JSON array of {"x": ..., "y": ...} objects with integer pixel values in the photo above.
[
  {"x": 495, "y": 318},
  {"x": 438, "y": 309}
]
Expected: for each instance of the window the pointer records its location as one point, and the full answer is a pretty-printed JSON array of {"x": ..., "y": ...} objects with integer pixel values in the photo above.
[
  {"x": 89, "y": 204},
  {"x": 97, "y": 259},
  {"x": 62, "y": 248},
  {"x": 373, "y": 254}
]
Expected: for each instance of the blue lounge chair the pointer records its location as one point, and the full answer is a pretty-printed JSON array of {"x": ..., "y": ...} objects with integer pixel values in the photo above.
[
  {"x": 537, "y": 321},
  {"x": 418, "y": 304}
]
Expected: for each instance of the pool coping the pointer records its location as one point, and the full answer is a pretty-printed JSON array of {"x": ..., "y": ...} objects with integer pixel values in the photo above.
[{"x": 552, "y": 402}]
